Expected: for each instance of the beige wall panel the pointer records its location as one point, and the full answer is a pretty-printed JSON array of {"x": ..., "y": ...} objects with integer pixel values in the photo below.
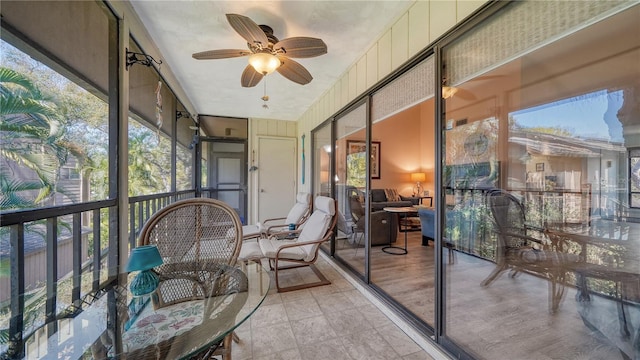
[
  {"x": 466, "y": 7},
  {"x": 326, "y": 106},
  {"x": 353, "y": 83},
  {"x": 418, "y": 27},
  {"x": 442, "y": 16},
  {"x": 372, "y": 66},
  {"x": 262, "y": 127},
  {"x": 323, "y": 106},
  {"x": 272, "y": 127},
  {"x": 282, "y": 128},
  {"x": 400, "y": 42},
  {"x": 344, "y": 98},
  {"x": 384, "y": 55},
  {"x": 332, "y": 101},
  {"x": 361, "y": 81},
  {"x": 337, "y": 96}
]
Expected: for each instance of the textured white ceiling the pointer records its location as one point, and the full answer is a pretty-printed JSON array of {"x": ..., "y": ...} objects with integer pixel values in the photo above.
[{"x": 181, "y": 28}]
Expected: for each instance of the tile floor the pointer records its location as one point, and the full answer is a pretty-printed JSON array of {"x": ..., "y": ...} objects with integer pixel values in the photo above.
[{"x": 328, "y": 322}]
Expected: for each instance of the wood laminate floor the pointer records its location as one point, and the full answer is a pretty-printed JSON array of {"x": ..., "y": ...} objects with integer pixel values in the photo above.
[{"x": 508, "y": 319}]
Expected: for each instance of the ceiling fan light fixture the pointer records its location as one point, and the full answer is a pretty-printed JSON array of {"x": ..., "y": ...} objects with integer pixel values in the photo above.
[
  {"x": 264, "y": 63},
  {"x": 448, "y": 91}
]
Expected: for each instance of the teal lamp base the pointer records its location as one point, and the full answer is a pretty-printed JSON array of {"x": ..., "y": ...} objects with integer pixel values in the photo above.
[{"x": 144, "y": 283}]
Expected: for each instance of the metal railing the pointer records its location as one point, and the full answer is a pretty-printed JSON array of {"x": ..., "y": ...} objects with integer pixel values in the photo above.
[{"x": 36, "y": 300}]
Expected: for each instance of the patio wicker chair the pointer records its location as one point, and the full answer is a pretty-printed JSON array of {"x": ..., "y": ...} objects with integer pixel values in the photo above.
[
  {"x": 518, "y": 251},
  {"x": 198, "y": 239}
]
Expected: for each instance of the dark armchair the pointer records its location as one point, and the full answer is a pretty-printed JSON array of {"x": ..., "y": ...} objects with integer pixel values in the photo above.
[{"x": 384, "y": 228}]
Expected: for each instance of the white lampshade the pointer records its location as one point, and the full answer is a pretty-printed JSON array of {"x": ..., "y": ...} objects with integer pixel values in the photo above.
[{"x": 264, "y": 63}]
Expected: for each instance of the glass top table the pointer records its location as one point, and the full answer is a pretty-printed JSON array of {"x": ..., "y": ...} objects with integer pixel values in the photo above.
[{"x": 177, "y": 331}]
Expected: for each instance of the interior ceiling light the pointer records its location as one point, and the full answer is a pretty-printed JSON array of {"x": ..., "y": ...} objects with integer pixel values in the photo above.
[
  {"x": 267, "y": 53},
  {"x": 448, "y": 91},
  {"x": 264, "y": 63}
]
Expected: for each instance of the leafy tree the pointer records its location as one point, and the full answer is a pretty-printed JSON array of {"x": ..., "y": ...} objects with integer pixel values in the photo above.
[{"x": 31, "y": 132}]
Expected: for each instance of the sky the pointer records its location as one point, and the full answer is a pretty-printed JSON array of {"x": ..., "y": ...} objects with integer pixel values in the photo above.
[{"x": 587, "y": 116}]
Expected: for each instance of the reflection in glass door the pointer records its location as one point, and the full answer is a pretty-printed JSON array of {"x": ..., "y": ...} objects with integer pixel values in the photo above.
[
  {"x": 321, "y": 144},
  {"x": 350, "y": 186},
  {"x": 402, "y": 259},
  {"x": 543, "y": 138}
]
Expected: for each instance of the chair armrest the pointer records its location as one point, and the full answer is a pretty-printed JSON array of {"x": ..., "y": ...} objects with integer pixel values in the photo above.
[
  {"x": 287, "y": 232},
  {"x": 525, "y": 237},
  {"x": 272, "y": 219},
  {"x": 534, "y": 228},
  {"x": 277, "y": 228},
  {"x": 302, "y": 243}
]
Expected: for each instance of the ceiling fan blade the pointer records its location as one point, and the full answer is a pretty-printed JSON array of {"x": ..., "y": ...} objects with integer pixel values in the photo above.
[
  {"x": 220, "y": 54},
  {"x": 294, "y": 71},
  {"x": 250, "y": 77},
  {"x": 248, "y": 29},
  {"x": 302, "y": 47}
]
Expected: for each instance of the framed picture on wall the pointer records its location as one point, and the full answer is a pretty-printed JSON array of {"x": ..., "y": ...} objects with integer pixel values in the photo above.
[{"x": 356, "y": 152}]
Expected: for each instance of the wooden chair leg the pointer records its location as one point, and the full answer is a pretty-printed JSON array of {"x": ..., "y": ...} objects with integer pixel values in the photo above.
[
  {"x": 322, "y": 279},
  {"x": 494, "y": 274}
]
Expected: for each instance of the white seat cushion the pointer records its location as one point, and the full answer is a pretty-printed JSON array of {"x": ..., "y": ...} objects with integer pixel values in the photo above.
[
  {"x": 249, "y": 231},
  {"x": 250, "y": 250},
  {"x": 271, "y": 245}
]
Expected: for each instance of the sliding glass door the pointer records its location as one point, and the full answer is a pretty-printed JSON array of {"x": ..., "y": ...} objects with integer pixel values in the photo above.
[{"x": 540, "y": 126}]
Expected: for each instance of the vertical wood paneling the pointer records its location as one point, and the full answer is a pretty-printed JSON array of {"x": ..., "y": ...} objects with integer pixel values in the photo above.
[
  {"x": 292, "y": 128},
  {"x": 384, "y": 55},
  {"x": 272, "y": 127},
  {"x": 332, "y": 101},
  {"x": 353, "y": 86},
  {"x": 424, "y": 22},
  {"x": 418, "y": 27},
  {"x": 466, "y": 7},
  {"x": 372, "y": 65},
  {"x": 442, "y": 16},
  {"x": 344, "y": 99},
  {"x": 361, "y": 77},
  {"x": 261, "y": 127},
  {"x": 400, "y": 42},
  {"x": 337, "y": 96},
  {"x": 282, "y": 128},
  {"x": 325, "y": 106}
]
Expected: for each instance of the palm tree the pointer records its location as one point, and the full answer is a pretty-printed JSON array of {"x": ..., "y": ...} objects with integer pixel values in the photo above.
[{"x": 31, "y": 133}]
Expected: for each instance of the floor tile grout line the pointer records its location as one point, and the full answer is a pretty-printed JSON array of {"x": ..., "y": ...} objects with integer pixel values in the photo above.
[{"x": 423, "y": 342}]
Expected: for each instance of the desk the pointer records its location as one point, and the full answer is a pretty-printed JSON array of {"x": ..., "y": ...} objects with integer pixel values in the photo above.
[
  {"x": 396, "y": 250},
  {"x": 177, "y": 331}
]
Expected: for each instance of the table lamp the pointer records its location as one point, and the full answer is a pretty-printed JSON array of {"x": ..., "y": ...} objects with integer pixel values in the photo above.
[
  {"x": 143, "y": 259},
  {"x": 418, "y": 177}
]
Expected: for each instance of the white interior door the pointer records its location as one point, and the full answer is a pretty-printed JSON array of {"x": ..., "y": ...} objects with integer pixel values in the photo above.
[{"x": 276, "y": 177}]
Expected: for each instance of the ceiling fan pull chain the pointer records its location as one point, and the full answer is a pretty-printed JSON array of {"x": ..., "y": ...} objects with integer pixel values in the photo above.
[{"x": 265, "y": 98}]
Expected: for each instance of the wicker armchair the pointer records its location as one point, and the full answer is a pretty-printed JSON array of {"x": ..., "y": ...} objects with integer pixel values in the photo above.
[
  {"x": 198, "y": 239},
  {"x": 518, "y": 251}
]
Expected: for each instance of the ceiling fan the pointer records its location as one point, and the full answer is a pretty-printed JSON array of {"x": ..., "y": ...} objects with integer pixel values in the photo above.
[{"x": 267, "y": 53}]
